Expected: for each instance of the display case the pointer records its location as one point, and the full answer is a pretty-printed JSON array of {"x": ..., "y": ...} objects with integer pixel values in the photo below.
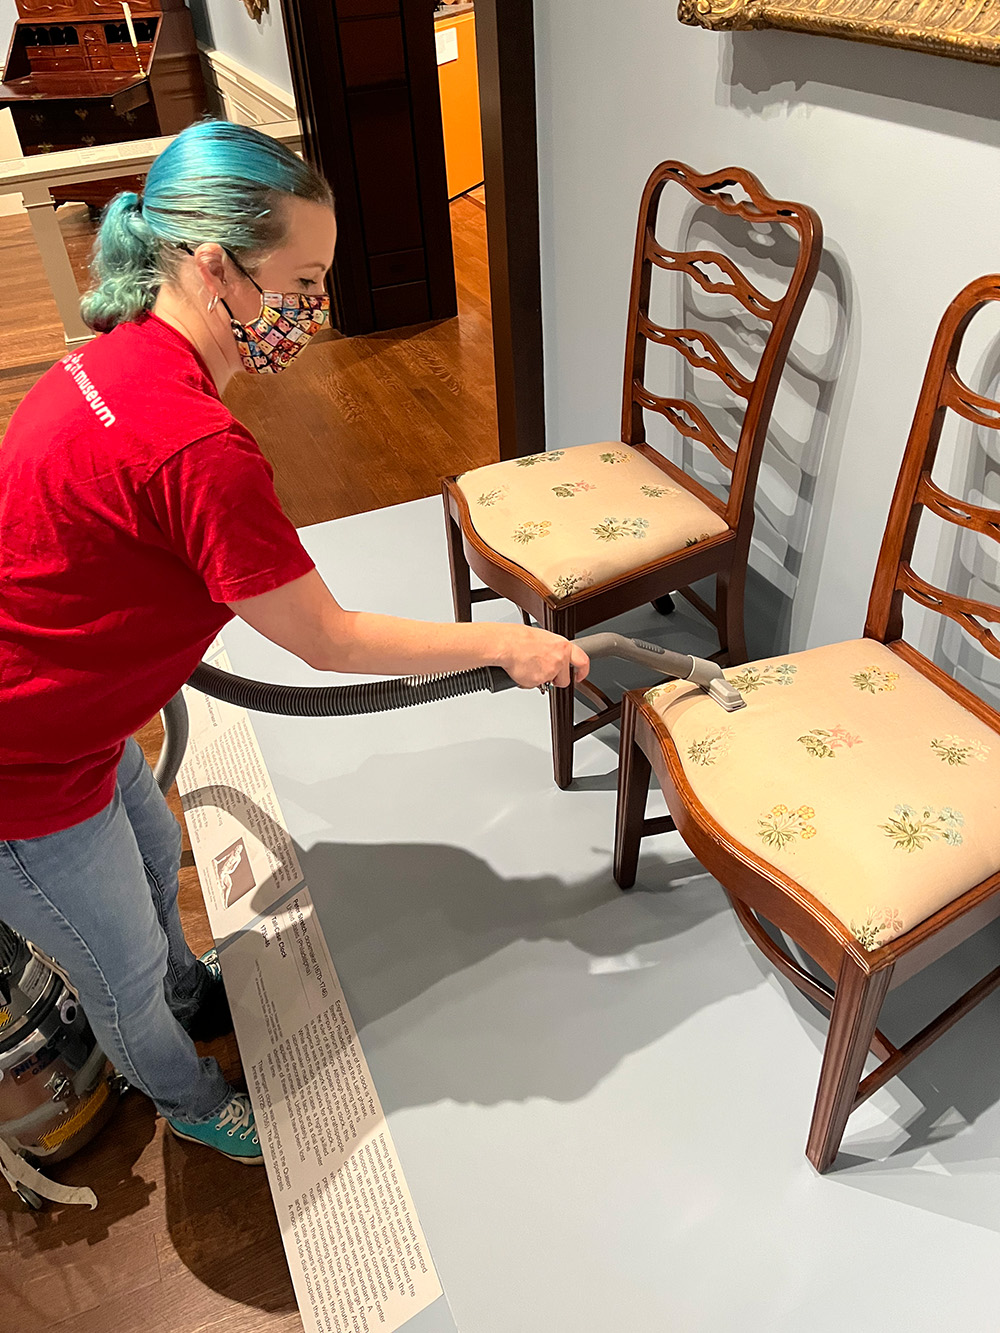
[{"x": 73, "y": 79}]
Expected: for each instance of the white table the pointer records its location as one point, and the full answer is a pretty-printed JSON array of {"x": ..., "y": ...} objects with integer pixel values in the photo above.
[{"x": 601, "y": 1100}]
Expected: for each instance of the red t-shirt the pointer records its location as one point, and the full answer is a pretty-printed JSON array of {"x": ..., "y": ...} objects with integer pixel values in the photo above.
[{"x": 133, "y": 506}]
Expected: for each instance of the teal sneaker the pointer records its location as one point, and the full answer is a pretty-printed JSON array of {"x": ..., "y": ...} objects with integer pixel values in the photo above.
[
  {"x": 212, "y": 1018},
  {"x": 234, "y": 1134},
  {"x": 210, "y": 960}
]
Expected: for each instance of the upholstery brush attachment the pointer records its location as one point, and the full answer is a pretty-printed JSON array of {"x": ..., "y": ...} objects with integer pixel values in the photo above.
[{"x": 680, "y": 666}]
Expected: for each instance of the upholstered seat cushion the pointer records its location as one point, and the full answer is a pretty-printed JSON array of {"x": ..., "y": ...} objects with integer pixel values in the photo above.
[
  {"x": 851, "y": 773},
  {"x": 578, "y": 517}
]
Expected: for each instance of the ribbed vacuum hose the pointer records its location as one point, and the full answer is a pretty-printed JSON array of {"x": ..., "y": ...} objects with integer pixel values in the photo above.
[
  {"x": 376, "y": 696},
  {"x": 175, "y": 739},
  {"x": 383, "y": 696}
]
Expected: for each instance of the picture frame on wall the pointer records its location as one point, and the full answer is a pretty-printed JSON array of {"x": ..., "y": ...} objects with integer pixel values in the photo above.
[{"x": 968, "y": 31}]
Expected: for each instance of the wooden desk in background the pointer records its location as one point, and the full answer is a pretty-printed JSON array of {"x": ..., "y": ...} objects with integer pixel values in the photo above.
[{"x": 73, "y": 79}]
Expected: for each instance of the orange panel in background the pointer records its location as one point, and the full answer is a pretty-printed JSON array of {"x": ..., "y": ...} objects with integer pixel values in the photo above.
[{"x": 459, "y": 80}]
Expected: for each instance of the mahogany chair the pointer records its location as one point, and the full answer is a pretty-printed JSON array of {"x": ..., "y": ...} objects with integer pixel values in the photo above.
[
  {"x": 576, "y": 536},
  {"x": 854, "y": 802}
]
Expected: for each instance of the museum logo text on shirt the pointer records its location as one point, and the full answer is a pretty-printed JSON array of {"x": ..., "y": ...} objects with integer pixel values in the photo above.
[{"x": 71, "y": 364}]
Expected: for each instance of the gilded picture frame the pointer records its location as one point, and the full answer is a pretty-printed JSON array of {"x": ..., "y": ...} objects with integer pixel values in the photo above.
[{"x": 967, "y": 29}]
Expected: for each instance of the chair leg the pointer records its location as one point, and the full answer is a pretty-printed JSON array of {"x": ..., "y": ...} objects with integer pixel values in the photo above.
[
  {"x": 562, "y": 705},
  {"x": 561, "y": 709},
  {"x": 461, "y": 575},
  {"x": 633, "y": 789},
  {"x": 729, "y": 597},
  {"x": 856, "y": 1006}
]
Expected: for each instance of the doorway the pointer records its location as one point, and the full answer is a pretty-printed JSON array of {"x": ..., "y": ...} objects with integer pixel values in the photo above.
[{"x": 365, "y": 76}]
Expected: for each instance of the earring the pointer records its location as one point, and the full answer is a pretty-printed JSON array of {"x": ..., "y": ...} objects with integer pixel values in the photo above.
[{"x": 212, "y": 303}]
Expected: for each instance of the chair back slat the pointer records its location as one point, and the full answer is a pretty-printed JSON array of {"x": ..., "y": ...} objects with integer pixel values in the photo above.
[
  {"x": 969, "y": 404},
  {"x": 943, "y": 391},
  {"x": 689, "y": 421},
  {"x": 963, "y": 610},
  {"x": 733, "y": 193},
  {"x": 693, "y": 263},
  {"x": 975, "y": 517},
  {"x": 699, "y": 350}
]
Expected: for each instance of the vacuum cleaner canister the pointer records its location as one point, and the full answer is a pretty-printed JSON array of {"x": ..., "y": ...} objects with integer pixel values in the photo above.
[{"x": 57, "y": 1088}]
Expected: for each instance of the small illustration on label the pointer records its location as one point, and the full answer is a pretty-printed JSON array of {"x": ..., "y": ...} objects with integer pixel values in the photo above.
[{"x": 235, "y": 874}]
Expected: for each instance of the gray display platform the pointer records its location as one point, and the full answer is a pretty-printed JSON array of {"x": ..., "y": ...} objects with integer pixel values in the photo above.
[{"x": 601, "y": 1100}]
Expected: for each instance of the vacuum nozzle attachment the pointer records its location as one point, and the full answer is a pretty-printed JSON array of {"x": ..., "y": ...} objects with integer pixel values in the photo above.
[
  {"x": 726, "y": 695},
  {"x": 679, "y": 665}
]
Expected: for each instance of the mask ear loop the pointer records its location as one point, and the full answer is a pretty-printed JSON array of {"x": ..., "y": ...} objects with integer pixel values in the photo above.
[
  {"x": 214, "y": 301},
  {"x": 249, "y": 278}
]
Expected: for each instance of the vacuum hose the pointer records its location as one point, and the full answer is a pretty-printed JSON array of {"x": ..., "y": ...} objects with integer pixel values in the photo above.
[
  {"x": 381, "y": 696},
  {"x": 376, "y": 696}
]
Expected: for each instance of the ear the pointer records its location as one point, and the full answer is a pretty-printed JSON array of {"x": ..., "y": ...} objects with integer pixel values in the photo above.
[{"x": 210, "y": 265}]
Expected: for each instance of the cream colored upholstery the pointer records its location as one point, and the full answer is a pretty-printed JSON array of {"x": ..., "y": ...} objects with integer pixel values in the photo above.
[
  {"x": 578, "y": 517},
  {"x": 851, "y": 773}
]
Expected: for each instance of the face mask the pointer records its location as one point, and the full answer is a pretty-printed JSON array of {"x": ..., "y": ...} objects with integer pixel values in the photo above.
[{"x": 286, "y": 324}]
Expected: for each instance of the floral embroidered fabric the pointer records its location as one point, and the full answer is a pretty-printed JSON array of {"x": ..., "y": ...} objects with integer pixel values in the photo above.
[
  {"x": 578, "y": 517},
  {"x": 851, "y": 773}
]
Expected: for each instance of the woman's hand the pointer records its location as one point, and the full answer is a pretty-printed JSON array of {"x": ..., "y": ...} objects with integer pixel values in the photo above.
[{"x": 535, "y": 657}]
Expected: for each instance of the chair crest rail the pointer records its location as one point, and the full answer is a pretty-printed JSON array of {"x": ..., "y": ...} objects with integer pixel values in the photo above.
[{"x": 754, "y": 206}]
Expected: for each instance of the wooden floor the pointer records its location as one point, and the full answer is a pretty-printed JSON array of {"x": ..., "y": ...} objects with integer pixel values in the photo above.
[{"x": 184, "y": 1241}]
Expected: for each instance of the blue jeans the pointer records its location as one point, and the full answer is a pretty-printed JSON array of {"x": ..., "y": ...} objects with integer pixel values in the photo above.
[{"x": 101, "y": 899}]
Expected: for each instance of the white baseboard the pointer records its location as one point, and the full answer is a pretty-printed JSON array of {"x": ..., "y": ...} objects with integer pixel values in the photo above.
[{"x": 238, "y": 94}]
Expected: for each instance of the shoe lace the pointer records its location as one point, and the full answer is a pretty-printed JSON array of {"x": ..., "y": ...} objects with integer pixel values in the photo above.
[{"x": 239, "y": 1115}]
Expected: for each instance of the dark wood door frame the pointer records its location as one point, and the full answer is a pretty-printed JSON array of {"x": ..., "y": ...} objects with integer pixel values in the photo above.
[
  {"x": 505, "y": 36},
  {"x": 506, "y": 46},
  {"x": 366, "y": 83}
]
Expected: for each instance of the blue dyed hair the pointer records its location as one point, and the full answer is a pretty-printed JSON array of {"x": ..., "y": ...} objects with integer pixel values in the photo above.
[{"x": 216, "y": 182}]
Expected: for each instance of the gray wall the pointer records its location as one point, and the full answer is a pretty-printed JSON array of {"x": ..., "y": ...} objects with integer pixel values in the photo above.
[
  {"x": 226, "y": 25},
  {"x": 900, "y": 155}
]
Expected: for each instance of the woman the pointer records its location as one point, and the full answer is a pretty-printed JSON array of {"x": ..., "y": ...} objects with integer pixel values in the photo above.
[{"x": 137, "y": 516}]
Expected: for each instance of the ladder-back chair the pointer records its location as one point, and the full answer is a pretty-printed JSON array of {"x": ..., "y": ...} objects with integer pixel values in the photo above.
[
  {"x": 854, "y": 802},
  {"x": 576, "y": 536}
]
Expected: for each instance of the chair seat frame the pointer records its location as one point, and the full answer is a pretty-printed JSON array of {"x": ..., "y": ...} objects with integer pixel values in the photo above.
[
  {"x": 757, "y": 890},
  {"x": 725, "y": 555}
]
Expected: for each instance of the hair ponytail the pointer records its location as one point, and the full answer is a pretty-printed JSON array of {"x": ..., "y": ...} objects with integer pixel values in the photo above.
[
  {"x": 124, "y": 266},
  {"x": 217, "y": 183}
]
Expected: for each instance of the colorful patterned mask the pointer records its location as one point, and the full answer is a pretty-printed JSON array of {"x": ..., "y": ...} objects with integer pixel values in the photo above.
[{"x": 286, "y": 324}]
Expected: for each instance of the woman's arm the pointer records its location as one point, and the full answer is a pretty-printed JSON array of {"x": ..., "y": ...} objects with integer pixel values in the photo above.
[{"x": 305, "y": 618}]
